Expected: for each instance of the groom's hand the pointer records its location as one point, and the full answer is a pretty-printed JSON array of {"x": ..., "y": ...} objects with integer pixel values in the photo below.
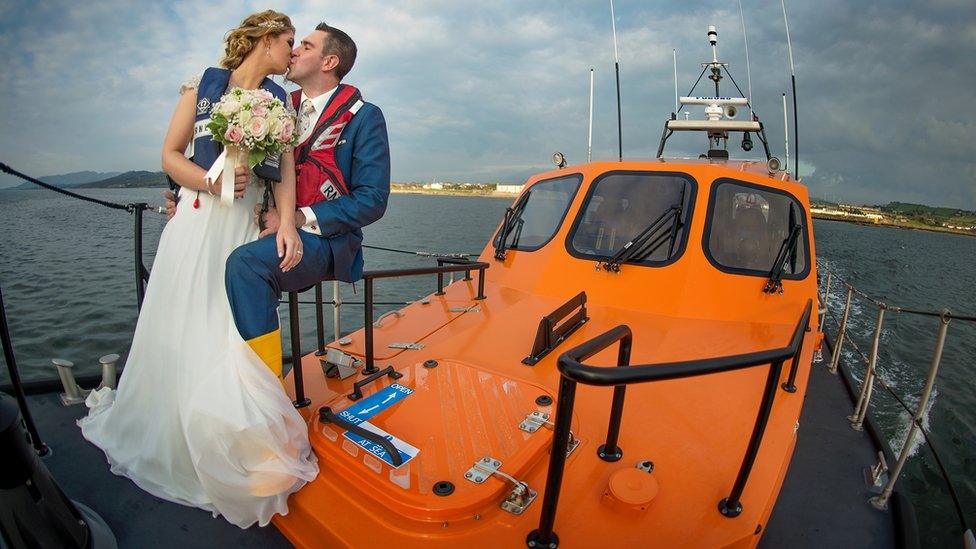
[{"x": 271, "y": 220}]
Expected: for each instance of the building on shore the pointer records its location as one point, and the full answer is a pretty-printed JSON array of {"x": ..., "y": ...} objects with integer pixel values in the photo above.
[
  {"x": 864, "y": 213},
  {"x": 510, "y": 189}
]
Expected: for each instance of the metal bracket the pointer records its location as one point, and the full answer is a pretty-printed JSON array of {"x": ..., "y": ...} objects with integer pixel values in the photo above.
[
  {"x": 471, "y": 309},
  {"x": 482, "y": 469},
  {"x": 876, "y": 475},
  {"x": 518, "y": 499},
  {"x": 402, "y": 345},
  {"x": 534, "y": 421},
  {"x": 336, "y": 363}
]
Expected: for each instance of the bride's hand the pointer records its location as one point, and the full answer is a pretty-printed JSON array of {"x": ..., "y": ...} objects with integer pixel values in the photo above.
[
  {"x": 240, "y": 182},
  {"x": 289, "y": 247}
]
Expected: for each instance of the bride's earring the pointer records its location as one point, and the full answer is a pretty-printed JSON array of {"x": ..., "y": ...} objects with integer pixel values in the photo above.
[{"x": 269, "y": 51}]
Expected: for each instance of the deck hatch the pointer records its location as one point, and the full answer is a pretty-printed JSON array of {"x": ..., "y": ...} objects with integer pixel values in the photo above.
[{"x": 454, "y": 415}]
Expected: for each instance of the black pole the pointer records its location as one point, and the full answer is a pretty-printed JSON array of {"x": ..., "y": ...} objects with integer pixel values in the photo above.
[
  {"x": 609, "y": 451},
  {"x": 319, "y": 318},
  {"x": 796, "y": 131},
  {"x": 18, "y": 388},
  {"x": 620, "y": 127},
  {"x": 137, "y": 210},
  {"x": 368, "y": 326},
  {"x": 790, "y": 384},
  {"x": 296, "y": 352},
  {"x": 544, "y": 537},
  {"x": 481, "y": 284},
  {"x": 731, "y": 507}
]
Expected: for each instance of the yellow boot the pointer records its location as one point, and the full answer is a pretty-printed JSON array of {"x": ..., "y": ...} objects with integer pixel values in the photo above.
[{"x": 268, "y": 349}]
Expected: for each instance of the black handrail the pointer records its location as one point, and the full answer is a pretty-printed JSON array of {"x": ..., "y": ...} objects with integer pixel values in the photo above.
[
  {"x": 574, "y": 371},
  {"x": 18, "y": 390},
  {"x": 548, "y": 335},
  {"x": 369, "y": 276}
]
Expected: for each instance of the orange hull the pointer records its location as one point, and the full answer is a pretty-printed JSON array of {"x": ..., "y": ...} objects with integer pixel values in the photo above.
[{"x": 694, "y": 430}]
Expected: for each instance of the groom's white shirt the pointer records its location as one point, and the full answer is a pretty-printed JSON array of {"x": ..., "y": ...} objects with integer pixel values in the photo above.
[{"x": 318, "y": 104}]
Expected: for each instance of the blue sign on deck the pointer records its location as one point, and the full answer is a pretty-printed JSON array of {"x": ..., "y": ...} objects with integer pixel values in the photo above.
[
  {"x": 376, "y": 403},
  {"x": 407, "y": 452}
]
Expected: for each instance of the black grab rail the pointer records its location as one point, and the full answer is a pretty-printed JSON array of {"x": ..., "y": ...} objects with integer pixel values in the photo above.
[
  {"x": 369, "y": 276},
  {"x": 574, "y": 371}
]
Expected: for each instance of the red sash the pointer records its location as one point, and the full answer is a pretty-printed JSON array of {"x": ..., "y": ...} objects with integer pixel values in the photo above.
[{"x": 318, "y": 175}]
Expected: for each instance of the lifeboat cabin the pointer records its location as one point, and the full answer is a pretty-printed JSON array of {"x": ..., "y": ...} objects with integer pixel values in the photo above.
[{"x": 625, "y": 362}]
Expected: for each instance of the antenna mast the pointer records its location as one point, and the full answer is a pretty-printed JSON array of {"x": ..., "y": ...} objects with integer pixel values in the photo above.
[
  {"x": 674, "y": 52},
  {"x": 796, "y": 146},
  {"x": 589, "y": 138},
  {"x": 786, "y": 135},
  {"x": 745, "y": 40},
  {"x": 616, "y": 66}
]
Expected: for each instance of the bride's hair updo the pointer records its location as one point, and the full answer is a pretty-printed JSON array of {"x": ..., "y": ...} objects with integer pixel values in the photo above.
[{"x": 240, "y": 41}]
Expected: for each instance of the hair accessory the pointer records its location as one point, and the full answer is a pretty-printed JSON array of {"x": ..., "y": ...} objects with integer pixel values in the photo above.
[{"x": 271, "y": 25}]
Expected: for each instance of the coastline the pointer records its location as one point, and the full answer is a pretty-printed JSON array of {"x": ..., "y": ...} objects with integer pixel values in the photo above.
[
  {"x": 916, "y": 226},
  {"x": 400, "y": 190}
]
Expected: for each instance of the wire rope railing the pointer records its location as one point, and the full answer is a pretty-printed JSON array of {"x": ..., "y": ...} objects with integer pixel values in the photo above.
[{"x": 870, "y": 359}]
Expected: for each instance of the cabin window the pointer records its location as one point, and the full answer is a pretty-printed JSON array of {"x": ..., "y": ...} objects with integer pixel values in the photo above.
[
  {"x": 650, "y": 209},
  {"x": 538, "y": 213},
  {"x": 748, "y": 226}
]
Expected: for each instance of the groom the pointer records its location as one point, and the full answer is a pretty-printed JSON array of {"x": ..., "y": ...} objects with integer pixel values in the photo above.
[{"x": 343, "y": 170}]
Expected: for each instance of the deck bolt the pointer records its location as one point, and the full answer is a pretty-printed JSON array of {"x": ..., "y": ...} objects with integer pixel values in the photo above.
[
  {"x": 467, "y": 475},
  {"x": 531, "y": 544},
  {"x": 495, "y": 463}
]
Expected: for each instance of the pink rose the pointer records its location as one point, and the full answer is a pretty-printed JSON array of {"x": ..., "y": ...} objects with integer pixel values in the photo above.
[
  {"x": 234, "y": 134},
  {"x": 263, "y": 93},
  {"x": 259, "y": 109},
  {"x": 287, "y": 130},
  {"x": 258, "y": 127}
]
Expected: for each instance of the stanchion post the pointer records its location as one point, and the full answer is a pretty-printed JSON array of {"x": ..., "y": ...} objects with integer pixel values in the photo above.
[
  {"x": 826, "y": 303},
  {"x": 319, "y": 318},
  {"x": 336, "y": 311},
  {"x": 296, "y": 352},
  {"x": 137, "y": 210},
  {"x": 835, "y": 358},
  {"x": 881, "y": 501},
  {"x": 867, "y": 387}
]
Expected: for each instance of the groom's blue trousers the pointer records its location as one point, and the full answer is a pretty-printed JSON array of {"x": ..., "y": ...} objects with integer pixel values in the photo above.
[{"x": 255, "y": 281}]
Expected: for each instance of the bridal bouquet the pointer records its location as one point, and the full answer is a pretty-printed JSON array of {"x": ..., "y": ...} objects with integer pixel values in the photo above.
[{"x": 251, "y": 125}]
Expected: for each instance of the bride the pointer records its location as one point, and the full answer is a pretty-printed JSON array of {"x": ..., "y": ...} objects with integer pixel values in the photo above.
[{"x": 198, "y": 419}]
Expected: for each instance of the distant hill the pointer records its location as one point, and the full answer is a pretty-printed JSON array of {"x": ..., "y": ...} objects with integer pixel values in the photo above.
[
  {"x": 127, "y": 180},
  {"x": 64, "y": 180},
  {"x": 931, "y": 214}
]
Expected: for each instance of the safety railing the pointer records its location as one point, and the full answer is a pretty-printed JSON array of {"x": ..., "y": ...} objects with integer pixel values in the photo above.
[
  {"x": 859, "y": 415},
  {"x": 574, "y": 372},
  {"x": 369, "y": 277}
]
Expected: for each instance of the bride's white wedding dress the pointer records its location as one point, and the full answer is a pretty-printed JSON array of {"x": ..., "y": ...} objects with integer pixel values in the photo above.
[{"x": 198, "y": 419}]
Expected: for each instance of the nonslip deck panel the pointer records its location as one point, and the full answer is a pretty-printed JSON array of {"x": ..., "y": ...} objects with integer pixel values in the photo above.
[
  {"x": 824, "y": 498},
  {"x": 137, "y": 518}
]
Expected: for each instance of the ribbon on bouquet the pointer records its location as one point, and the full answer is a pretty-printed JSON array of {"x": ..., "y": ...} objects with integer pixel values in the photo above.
[{"x": 226, "y": 163}]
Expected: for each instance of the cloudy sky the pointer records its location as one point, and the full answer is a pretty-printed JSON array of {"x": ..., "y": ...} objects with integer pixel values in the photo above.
[{"x": 486, "y": 91}]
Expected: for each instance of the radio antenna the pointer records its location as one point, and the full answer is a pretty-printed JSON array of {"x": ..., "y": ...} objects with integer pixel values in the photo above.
[
  {"x": 745, "y": 40},
  {"x": 786, "y": 135},
  {"x": 796, "y": 147},
  {"x": 674, "y": 52},
  {"x": 616, "y": 66},
  {"x": 589, "y": 137}
]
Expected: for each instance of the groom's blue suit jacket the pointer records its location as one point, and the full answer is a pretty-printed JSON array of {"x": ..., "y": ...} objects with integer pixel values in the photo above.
[{"x": 363, "y": 154}]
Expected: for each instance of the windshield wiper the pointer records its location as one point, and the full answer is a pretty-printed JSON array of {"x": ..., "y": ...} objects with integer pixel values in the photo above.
[
  {"x": 513, "y": 217},
  {"x": 787, "y": 250},
  {"x": 645, "y": 244}
]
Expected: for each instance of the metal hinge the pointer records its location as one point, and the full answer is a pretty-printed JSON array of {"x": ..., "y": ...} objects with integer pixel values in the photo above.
[
  {"x": 471, "y": 309},
  {"x": 536, "y": 420},
  {"x": 518, "y": 499},
  {"x": 403, "y": 345}
]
